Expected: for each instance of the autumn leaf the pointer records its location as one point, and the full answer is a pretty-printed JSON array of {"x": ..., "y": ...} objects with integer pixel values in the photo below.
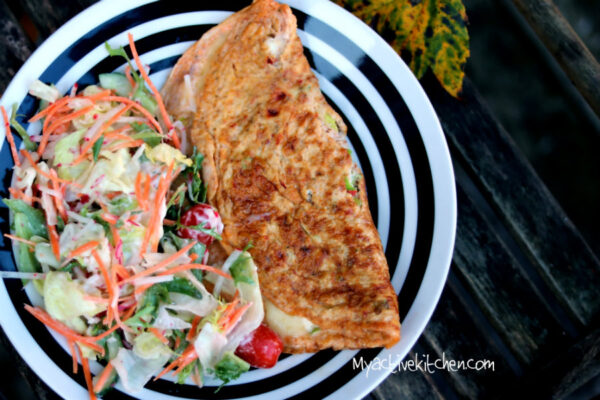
[{"x": 430, "y": 34}]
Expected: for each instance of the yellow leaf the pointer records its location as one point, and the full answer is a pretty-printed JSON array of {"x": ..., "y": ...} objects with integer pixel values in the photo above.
[{"x": 429, "y": 34}]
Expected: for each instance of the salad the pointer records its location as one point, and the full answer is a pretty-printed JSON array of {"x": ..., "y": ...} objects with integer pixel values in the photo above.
[{"x": 110, "y": 225}]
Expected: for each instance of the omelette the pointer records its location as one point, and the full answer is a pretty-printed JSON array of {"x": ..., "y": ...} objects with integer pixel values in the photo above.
[{"x": 278, "y": 169}]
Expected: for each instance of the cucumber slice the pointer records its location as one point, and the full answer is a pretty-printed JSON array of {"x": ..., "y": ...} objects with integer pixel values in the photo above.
[{"x": 117, "y": 82}]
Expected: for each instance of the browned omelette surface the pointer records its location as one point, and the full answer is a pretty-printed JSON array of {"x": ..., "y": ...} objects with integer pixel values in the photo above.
[{"x": 276, "y": 168}]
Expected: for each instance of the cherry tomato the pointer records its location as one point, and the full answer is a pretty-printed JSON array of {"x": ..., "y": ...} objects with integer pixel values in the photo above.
[
  {"x": 261, "y": 348},
  {"x": 200, "y": 214}
]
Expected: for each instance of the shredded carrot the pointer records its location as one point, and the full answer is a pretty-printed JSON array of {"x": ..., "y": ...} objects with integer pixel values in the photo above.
[
  {"x": 194, "y": 256},
  {"x": 177, "y": 342},
  {"x": 148, "y": 236},
  {"x": 10, "y": 138},
  {"x": 138, "y": 190},
  {"x": 115, "y": 234},
  {"x": 64, "y": 330},
  {"x": 117, "y": 136},
  {"x": 203, "y": 267},
  {"x": 156, "y": 332},
  {"x": 99, "y": 133},
  {"x": 108, "y": 281},
  {"x": 58, "y": 200},
  {"x": 129, "y": 78},
  {"x": 188, "y": 355},
  {"x": 103, "y": 377},
  {"x": 95, "y": 299},
  {"x": 146, "y": 189},
  {"x": 125, "y": 145},
  {"x": 63, "y": 109},
  {"x": 71, "y": 345},
  {"x": 54, "y": 241},
  {"x": 88, "y": 376},
  {"x": 104, "y": 334},
  {"x": 114, "y": 301},
  {"x": 139, "y": 108},
  {"x": 129, "y": 312},
  {"x": 51, "y": 107},
  {"x": 64, "y": 119},
  {"x": 44, "y": 173},
  {"x": 112, "y": 195},
  {"x": 108, "y": 217},
  {"x": 18, "y": 194},
  {"x": 20, "y": 239},
  {"x": 162, "y": 264},
  {"x": 64, "y": 100},
  {"x": 121, "y": 271},
  {"x": 157, "y": 96},
  {"x": 187, "y": 358},
  {"x": 234, "y": 317},
  {"x": 141, "y": 289},
  {"x": 83, "y": 248},
  {"x": 99, "y": 96},
  {"x": 169, "y": 222},
  {"x": 192, "y": 330},
  {"x": 161, "y": 193},
  {"x": 227, "y": 312}
]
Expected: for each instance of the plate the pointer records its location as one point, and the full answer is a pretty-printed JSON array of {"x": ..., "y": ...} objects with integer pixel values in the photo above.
[{"x": 395, "y": 136}]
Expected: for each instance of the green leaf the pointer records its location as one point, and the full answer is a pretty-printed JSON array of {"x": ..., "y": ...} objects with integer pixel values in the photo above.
[
  {"x": 146, "y": 99},
  {"x": 201, "y": 228},
  {"x": 148, "y": 307},
  {"x": 29, "y": 144},
  {"x": 121, "y": 204},
  {"x": 149, "y": 137},
  {"x": 239, "y": 269},
  {"x": 196, "y": 188},
  {"x": 230, "y": 368},
  {"x": 185, "y": 372},
  {"x": 97, "y": 146},
  {"x": 120, "y": 52},
  {"x": 183, "y": 286},
  {"x": 26, "y": 259},
  {"x": 34, "y": 221},
  {"x": 432, "y": 34}
]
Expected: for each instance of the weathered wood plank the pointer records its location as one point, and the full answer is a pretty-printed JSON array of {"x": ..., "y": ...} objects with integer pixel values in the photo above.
[
  {"x": 501, "y": 289},
  {"x": 15, "y": 47},
  {"x": 49, "y": 15},
  {"x": 568, "y": 369},
  {"x": 407, "y": 385},
  {"x": 454, "y": 334},
  {"x": 530, "y": 211},
  {"x": 569, "y": 50}
]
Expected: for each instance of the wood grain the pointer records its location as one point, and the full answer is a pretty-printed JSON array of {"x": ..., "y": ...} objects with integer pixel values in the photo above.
[
  {"x": 569, "y": 50},
  {"x": 454, "y": 334},
  {"x": 512, "y": 187},
  {"x": 15, "y": 47},
  {"x": 407, "y": 385},
  {"x": 49, "y": 15},
  {"x": 495, "y": 279}
]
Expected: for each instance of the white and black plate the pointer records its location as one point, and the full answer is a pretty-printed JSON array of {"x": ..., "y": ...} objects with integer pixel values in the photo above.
[{"x": 397, "y": 141}]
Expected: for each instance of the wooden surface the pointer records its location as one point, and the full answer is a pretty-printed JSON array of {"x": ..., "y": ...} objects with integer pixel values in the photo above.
[
  {"x": 523, "y": 287},
  {"x": 570, "y": 51}
]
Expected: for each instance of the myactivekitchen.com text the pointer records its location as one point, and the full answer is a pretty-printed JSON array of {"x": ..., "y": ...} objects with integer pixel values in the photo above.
[{"x": 423, "y": 363}]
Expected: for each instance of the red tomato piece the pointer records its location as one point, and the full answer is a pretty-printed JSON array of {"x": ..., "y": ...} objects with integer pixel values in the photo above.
[
  {"x": 200, "y": 214},
  {"x": 261, "y": 348}
]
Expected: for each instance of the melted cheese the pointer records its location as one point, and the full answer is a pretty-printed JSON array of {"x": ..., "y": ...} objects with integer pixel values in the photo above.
[{"x": 284, "y": 324}]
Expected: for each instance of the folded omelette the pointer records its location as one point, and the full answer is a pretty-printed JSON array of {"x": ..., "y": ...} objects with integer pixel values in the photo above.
[{"x": 278, "y": 169}]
